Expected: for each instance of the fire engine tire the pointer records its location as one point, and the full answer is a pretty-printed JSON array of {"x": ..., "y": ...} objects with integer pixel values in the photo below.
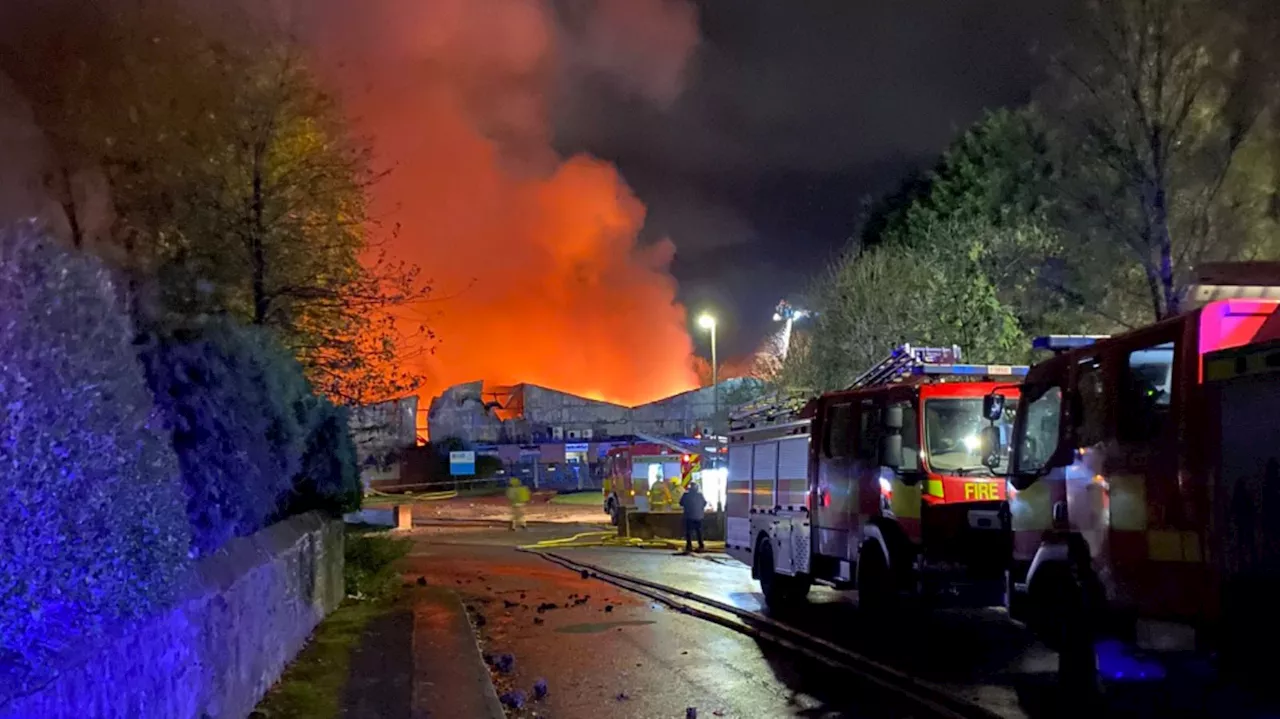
[
  {"x": 779, "y": 591},
  {"x": 1060, "y": 610},
  {"x": 615, "y": 513},
  {"x": 875, "y": 583}
]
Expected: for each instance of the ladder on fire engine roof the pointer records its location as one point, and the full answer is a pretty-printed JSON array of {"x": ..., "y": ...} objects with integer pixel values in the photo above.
[
  {"x": 671, "y": 444},
  {"x": 771, "y": 410},
  {"x": 911, "y": 361}
]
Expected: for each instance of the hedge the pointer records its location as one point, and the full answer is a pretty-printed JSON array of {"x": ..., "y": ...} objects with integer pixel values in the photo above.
[
  {"x": 330, "y": 476},
  {"x": 238, "y": 408},
  {"x": 92, "y": 528}
]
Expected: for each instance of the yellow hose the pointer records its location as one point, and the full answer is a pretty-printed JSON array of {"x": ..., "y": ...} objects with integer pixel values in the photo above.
[
  {"x": 425, "y": 497},
  {"x": 611, "y": 539}
]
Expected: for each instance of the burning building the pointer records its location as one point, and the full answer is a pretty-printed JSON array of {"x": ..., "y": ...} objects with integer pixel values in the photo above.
[{"x": 556, "y": 437}]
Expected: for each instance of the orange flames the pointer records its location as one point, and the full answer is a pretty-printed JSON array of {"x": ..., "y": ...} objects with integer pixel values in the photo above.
[{"x": 537, "y": 272}]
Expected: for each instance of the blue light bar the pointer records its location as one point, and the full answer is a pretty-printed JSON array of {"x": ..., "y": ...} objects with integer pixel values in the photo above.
[
  {"x": 1063, "y": 343},
  {"x": 979, "y": 370}
]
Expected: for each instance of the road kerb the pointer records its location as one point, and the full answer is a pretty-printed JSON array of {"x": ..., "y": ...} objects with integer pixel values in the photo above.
[{"x": 450, "y": 678}]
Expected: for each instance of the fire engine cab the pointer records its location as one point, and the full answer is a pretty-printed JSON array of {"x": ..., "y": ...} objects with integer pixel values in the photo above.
[
  {"x": 633, "y": 470},
  {"x": 1140, "y": 471},
  {"x": 891, "y": 486}
]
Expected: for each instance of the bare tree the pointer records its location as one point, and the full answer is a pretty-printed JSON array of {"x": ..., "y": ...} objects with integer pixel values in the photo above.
[{"x": 1160, "y": 101}]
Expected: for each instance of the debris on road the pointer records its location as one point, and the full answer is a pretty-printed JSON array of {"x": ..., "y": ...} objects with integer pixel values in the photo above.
[
  {"x": 538, "y": 620},
  {"x": 514, "y": 699},
  {"x": 585, "y": 574},
  {"x": 622, "y": 696},
  {"x": 540, "y": 689},
  {"x": 691, "y": 713},
  {"x": 505, "y": 663},
  {"x": 608, "y": 608},
  {"x": 422, "y": 581}
]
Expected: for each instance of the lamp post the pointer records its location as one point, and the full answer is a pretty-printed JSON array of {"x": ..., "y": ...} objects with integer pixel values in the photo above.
[{"x": 708, "y": 322}]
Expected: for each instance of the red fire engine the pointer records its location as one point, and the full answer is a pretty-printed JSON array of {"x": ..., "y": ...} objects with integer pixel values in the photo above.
[
  {"x": 631, "y": 471},
  {"x": 890, "y": 486},
  {"x": 1140, "y": 469}
]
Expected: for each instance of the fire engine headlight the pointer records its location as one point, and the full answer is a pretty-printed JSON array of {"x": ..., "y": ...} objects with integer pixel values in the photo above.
[{"x": 886, "y": 486}]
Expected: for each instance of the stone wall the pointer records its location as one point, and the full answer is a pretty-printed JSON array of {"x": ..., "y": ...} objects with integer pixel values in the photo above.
[{"x": 246, "y": 612}]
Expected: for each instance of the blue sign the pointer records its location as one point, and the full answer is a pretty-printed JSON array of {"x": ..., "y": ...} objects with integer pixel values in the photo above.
[{"x": 462, "y": 464}]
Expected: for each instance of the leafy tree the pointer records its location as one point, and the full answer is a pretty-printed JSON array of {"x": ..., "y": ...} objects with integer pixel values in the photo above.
[
  {"x": 872, "y": 300},
  {"x": 127, "y": 94},
  {"x": 330, "y": 475},
  {"x": 293, "y": 190},
  {"x": 1165, "y": 105},
  {"x": 92, "y": 528},
  {"x": 1001, "y": 170},
  {"x": 1003, "y": 175},
  {"x": 235, "y": 182}
]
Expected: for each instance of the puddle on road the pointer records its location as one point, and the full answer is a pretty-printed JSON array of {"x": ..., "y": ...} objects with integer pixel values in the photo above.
[{"x": 597, "y": 627}]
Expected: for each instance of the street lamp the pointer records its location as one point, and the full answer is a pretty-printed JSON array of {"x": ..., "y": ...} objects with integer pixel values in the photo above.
[{"x": 708, "y": 323}]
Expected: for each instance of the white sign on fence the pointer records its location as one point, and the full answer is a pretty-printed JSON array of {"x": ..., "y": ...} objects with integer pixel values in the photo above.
[{"x": 462, "y": 464}]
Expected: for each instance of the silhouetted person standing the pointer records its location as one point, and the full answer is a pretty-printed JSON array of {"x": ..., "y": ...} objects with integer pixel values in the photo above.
[{"x": 694, "y": 506}]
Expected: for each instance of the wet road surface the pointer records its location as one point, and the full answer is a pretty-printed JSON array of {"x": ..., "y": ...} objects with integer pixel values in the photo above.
[
  {"x": 978, "y": 654},
  {"x": 605, "y": 652}
]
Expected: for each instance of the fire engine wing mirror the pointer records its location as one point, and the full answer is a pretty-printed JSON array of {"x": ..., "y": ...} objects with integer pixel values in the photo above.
[
  {"x": 993, "y": 406},
  {"x": 991, "y": 446},
  {"x": 891, "y": 451}
]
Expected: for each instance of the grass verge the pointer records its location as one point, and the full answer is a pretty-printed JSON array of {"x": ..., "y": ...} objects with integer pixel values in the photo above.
[
  {"x": 312, "y": 686},
  {"x": 579, "y": 499}
]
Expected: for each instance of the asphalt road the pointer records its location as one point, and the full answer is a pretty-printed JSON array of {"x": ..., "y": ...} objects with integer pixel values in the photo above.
[
  {"x": 605, "y": 652},
  {"x": 977, "y": 654}
]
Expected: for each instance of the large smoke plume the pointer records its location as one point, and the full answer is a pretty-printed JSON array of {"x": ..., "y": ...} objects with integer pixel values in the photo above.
[{"x": 538, "y": 274}]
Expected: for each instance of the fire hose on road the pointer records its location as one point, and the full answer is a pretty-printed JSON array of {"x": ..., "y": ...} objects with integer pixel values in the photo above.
[
  {"x": 610, "y": 538},
  {"x": 937, "y": 701}
]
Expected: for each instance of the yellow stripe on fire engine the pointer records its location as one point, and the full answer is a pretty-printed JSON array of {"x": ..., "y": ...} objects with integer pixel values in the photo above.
[
  {"x": 934, "y": 488},
  {"x": 1171, "y": 545},
  {"x": 1128, "y": 502},
  {"x": 905, "y": 502},
  {"x": 1030, "y": 508},
  {"x": 1243, "y": 361}
]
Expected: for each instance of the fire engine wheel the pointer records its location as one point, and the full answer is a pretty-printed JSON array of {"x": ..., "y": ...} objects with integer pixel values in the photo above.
[
  {"x": 875, "y": 583},
  {"x": 1063, "y": 622},
  {"x": 779, "y": 591},
  {"x": 615, "y": 513}
]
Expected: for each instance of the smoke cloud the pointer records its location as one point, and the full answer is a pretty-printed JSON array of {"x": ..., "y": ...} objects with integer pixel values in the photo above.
[{"x": 538, "y": 273}]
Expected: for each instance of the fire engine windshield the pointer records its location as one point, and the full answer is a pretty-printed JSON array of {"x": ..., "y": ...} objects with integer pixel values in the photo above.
[
  {"x": 952, "y": 430},
  {"x": 1042, "y": 406}
]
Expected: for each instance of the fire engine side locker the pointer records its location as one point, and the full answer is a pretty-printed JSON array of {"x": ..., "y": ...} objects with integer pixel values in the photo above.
[
  {"x": 767, "y": 493},
  {"x": 1244, "y": 393}
]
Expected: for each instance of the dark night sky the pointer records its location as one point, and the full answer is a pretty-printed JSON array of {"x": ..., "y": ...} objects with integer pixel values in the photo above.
[{"x": 794, "y": 112}]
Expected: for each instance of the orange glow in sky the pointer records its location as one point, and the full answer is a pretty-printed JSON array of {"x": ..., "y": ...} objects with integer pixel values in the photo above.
[{"x": 537, "y": 273}]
